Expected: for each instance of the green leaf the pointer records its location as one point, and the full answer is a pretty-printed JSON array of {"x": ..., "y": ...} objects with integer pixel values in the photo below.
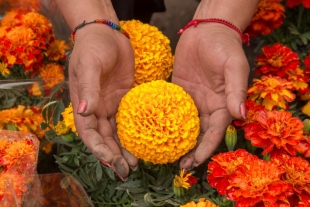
[
  {"x": 50, "y": 134},
  {"x": 59, "y": 108},
  {"x": 43, "y": 125},
  {"x": 91, "y": 158},
  {"x": 46, "y": 111},
  {"x": 98, "y": 171},
  {"x": 110, "y": 173},
  {"x": 56, "y": 88},
  {"x": 130, "y": 184}
]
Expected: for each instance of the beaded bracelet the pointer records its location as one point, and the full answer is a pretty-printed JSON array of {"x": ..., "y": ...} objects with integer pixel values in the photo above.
[
  {"x": 245, "y": 37},
  {"x": 98, "y": 21}
]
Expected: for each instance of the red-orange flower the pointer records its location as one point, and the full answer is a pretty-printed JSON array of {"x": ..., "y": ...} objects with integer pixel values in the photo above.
[
  {"x": 252, "y": 108},
  {"x": 276, "y": 60},
  {"x": 21, "y": 46},
  {"x": 293, "y": 3},
  {"x": 223, "y": 165},
  {"x": 277, "y": 132},
  {"x": 269, "y": 15},
  {"x": 273, "y": 91},
  {"x": 298, "y": 174},
  {"x": 259, "y": 184}
]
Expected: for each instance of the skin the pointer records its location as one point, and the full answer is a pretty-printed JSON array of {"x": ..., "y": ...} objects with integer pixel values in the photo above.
[{"x": 209, "y": 64}]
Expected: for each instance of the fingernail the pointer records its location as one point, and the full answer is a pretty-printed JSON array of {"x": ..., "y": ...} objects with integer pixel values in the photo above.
[
  {"x": 82, "y": 107},
  {"x": 105, "y": 164},
  {"x": 120, "y": 177},
  {"x": 243, "y": 110},
  {"x": 134, "y": 168}
]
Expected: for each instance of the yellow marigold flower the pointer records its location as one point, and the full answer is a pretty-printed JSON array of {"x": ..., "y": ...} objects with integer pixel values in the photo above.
[
  {"x": 4, "y": 69},
  {"x": 52, "y": 74},
  {"x": 201, "y": 203},
  {"x": 182, "y": 181},
  {"x": 61, "y": 128},
  {"x": 157, "y": 122},
  {"x": 68, "y": 118},
  {"x": 35, "y": 89},
  {"x": 153, "y": 56},
  {"x": 57, "y": 50}
]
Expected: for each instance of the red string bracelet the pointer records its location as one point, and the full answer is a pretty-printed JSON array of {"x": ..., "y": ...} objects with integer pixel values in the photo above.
[
  {"x": 245, "y": 37},
  {"x": 99, "y": 21}
]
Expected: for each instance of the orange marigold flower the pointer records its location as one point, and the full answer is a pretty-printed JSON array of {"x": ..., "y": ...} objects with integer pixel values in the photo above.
[
  {"x": 153, "y": 56},
  {"x": 258, "y": 184},
  {"x": 57, "y": 50},
  {"x": 276, "y": 59},
  {"x": 297, "y": 173},
  {"x": 293, "y": 3},
  {"x": 201, "y": 203},
  {"x": 21, "y": 46},
  {"x": 13, "y": 18},
  {"x": 52, "y": 74},
  {"x": 185, "y": 180},
  {"x": 299, "y": 80},
  {"x": 157, "y": 122},
  {"x": 274, "y": 91},
  {"x": 269, "y": 15},
  {"x": 223, "y": 165},
  {"x": 277, "y": 132},
  {"x": 252, "y": 108}
]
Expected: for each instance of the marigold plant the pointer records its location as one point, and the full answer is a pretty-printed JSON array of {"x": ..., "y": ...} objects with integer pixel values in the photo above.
[
  {"x": 153, "y": 56},
  {"x": 201, "y": 203},
  {"x": 157, "y": 122}
]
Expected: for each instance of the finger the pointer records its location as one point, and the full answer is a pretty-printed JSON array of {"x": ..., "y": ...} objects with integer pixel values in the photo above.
[
  {"x": 188, "y": 160},
  {"x": 87, "y": 72},
  {"x": 120, "y": 167},
  {"x": 131, "y": 160},
  {"x": 218, "y": 122},
  {"x": 86, "y": 128},
  {"x": 236, "y": 84}
]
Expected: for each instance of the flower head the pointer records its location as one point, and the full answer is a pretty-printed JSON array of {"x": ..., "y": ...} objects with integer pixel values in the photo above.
[
  {"x": 201, "y": 203},
  {"x": 297, "y": 173},
  {"x": 52, "y": 74},
  {"x": 293, "y": 3},
  {"x": 153, "y": 56},
  {"x": 57, "y": 50},
  {"x": 225, "y": 164},
  {"x": 157, "y": 122},
  {"x": 276, "y": 60},
  {"x": 252, "y": 109},
  {"x": 61, "y": 128},
  {"x": 273, "y": 90},
  {"x": 259, "y": 184},
  {"x": 269, "y": 15},
  {"x": 4, "y": 71},
  {"x": 299, "y": 80},
  {"x": 277, "y": 132},
  {"x": 185, "y": 180}
]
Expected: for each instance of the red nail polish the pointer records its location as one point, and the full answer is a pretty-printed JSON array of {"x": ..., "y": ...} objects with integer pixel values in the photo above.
[
  {"x": 105, "y": 164},
  {"x": 82, "y": 107},
  {"x": 243, "y": 111}
]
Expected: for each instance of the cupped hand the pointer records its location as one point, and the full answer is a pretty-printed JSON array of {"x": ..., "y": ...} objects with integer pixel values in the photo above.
[
  {"x": 211, "y": 66},
  {"x": 101, "y": 72}
]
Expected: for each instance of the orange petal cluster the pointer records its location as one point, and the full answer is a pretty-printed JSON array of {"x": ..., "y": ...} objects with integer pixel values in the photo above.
[
  {"x": 277, "y": 132},
  {"x": 272, "y": 91},
  {"x": 269, "y": 15},
  {"x": 252, "y": 109},
  {"x": 276, "y": 60}
]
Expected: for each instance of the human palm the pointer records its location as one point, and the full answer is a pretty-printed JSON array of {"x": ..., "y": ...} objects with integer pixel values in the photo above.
[
  {"x": 101, "y": 72},
  {"x": 211, "y": 66}
]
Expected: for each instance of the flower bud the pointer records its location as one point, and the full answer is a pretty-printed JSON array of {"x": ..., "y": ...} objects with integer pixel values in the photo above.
[
  {"x": 307, "y": 125},
  {"x": 231, "y": 137},
  {"x": 68, "y": 137},
  {"x": 178, "y": 191}
]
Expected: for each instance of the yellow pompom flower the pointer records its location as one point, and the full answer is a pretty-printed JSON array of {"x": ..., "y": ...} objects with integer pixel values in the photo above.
[
  {"x": 157, "y": 122},
  {"x": 68, "y": 118},
  {"x": 153, "y": 56},
  {"x": 201, "y": 203}
]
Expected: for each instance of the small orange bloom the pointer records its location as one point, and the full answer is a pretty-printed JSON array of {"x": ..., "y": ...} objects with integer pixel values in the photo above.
[
  {"x": 293, "y": 3},
  {"x": 259, "y": 184},
  {"x": 277, "y": 132},
  {"x": 299, "y": 80},
  {"x": 57, "y": 50},
  {"x": 225, "y": 164},
  {"x": 276, "y": 59},
  {"x": 269, "y": 15},
  {"x": 273, "y": 91},
  {"x": 52, "y": 74}
]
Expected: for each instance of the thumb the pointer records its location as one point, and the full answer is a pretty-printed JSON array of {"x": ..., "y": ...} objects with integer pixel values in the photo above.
[
  {"x": 88, "y": 86},
  {"x": 236, "y": 84}
]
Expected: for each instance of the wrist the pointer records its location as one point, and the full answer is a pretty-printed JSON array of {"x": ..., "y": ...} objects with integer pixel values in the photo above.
[
  {"x": 76, "y": 12},
  {"x": 237, "y": 12}
]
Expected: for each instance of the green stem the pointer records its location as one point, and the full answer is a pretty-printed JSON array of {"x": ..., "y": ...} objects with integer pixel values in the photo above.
[{"x": 300, "y": 13}]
